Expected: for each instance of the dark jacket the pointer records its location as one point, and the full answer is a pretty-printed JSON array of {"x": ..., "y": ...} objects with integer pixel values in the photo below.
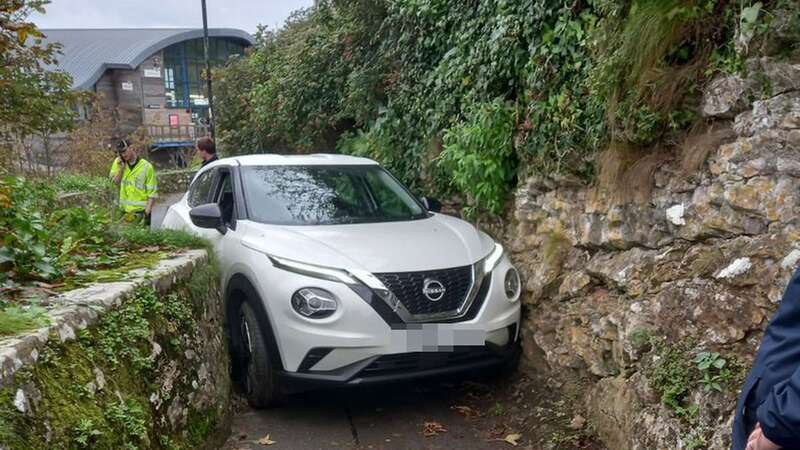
[
  {"x": 771, "y": 394},
  {"x": 209, "y": 161}
]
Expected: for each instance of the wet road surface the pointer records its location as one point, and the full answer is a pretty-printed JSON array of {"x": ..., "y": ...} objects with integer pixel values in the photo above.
[{"x": 387, "y": 417}]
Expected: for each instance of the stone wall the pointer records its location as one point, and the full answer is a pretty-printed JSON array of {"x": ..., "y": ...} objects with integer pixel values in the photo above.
[
  {"x": 174, "y": 181},
  {"x": 628, "y": 301},
  {"x": 140, "y": 363}
]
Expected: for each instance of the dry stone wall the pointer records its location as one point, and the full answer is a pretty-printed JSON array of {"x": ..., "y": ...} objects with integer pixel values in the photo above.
[
  {"x": 627, "y": 300},
  {"x": 139, "y": 363}
]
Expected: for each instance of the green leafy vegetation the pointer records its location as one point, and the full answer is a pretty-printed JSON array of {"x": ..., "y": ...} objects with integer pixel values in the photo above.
[
  {"x": 85, "y": 433},
  {"x": 480, "y": 155},
  {"x": 74, "y": 409},
  {"x": 672, "y": 377},
  {"x": 675, "y": 374},
  {"x": 678, "y": 370},
  {"x": 54, "y": 246},
  {"x": 44, "y": 250},
  {"x": 713, "y": 371},
  {"x": 16, "y": 319},
  {"x": 33, "y": 100},
  {"x": 67, "y": 182},
  {"x": 464, "y": 98}
]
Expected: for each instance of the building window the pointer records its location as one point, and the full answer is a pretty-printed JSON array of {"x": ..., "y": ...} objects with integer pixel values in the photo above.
[{"x": 184, "y": 65}]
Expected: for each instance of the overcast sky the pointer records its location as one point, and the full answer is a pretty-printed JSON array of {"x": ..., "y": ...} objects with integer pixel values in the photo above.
[{"x": 243, "y": 14}]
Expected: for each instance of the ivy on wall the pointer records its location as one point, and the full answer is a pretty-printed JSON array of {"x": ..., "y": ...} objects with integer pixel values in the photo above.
[{"x": 427, "y": 87}]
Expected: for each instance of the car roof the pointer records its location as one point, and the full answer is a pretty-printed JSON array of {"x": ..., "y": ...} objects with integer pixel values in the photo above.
[{"x": 318, "y": 159}]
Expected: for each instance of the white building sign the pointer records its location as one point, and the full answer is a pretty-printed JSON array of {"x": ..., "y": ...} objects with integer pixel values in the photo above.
[
  {"x": 127, "y": 86},
  {"x": 152, "y": 73}
]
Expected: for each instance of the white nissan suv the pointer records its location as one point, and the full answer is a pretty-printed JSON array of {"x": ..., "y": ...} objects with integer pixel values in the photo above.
[{"x": 333, "y": 273}]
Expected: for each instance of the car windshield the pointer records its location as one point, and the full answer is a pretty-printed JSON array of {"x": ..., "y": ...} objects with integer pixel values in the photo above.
[{"x": 322, "y": 195}]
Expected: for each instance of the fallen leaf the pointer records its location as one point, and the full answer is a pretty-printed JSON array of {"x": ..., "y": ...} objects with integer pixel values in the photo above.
[
  {"x": 266, "y": 441},
  {"x": 432, "y": 429},
  {"x": 513, "y": 438}
]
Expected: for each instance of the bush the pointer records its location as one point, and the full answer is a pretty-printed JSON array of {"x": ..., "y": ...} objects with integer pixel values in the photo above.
[
  {"x": 38, "y": 243},
  {"x": 400, "y": 81},
  {"x": 479, "y": 156}
]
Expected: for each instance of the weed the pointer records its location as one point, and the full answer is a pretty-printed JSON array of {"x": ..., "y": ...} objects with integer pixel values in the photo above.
[
  {"x": 640, "y": 339},
  {"x": 16, "y": 319},
  {"x": 694, "y": 441},
  {"x": 498, "y": 409},
  {"x": 131, "y": 418},
  {"x": 713, "y": 371},
  {"x": 85, "y": 433},
  {"x": 672, "y": 376},
  {"x": 201, "y": 426},
  {"x": 125, "y": 334},
  {"x": 136, "y": 237}
]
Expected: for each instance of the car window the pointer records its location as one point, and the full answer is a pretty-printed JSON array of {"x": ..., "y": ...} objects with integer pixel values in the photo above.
[
  {"x": 201, "y": 188},
  {"x": 386, "y": 195},
  {"x": 224, "y": 197},
  {"x": 320, "y": 195}
]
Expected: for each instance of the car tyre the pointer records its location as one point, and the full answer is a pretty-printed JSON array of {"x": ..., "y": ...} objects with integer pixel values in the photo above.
[{"x": 254, "y": 368}]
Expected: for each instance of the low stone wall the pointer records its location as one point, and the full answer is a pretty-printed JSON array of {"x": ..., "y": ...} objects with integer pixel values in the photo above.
[
  {"x": 650, "y": 310},
  {"x": 140, "y": 363},
  {"x": 172, "y": 181}
]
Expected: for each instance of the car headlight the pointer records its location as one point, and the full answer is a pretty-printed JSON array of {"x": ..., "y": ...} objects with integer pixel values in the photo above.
[
  {"x": 313, "y": 270},
  {"x": 511, "y": 284},
  {"x": 493, "y": 259},
  {"x": 314, "y": 303}
]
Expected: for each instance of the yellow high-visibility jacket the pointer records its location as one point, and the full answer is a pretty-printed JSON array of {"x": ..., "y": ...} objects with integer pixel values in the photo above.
[{"x": 138, "y": 184}]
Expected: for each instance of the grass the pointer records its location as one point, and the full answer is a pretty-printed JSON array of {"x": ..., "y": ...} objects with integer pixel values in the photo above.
[
  {"x": 89, "y": 276},
  {"x": 661, "y": 50},
  {"x": 143, "y": 237},
  {"x": 15, "y": 319}
]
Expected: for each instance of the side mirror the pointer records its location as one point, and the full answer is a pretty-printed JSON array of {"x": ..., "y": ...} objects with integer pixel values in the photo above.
[
  {"x": 431, "y": 204},
  {"x": 208, "y": 215}
]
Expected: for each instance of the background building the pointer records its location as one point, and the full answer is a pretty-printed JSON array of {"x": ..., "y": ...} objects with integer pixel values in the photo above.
[{"x": 150, "y": 78}]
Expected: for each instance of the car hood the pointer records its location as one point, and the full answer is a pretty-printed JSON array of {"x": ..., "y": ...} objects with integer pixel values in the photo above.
[{"x": 436, "y": 242}]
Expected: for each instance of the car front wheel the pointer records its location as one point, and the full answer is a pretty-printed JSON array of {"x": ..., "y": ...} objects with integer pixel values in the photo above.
[{"x": 251, "y": 359}]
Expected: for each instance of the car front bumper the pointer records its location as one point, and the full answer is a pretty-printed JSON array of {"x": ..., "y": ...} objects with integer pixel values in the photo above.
[
  {"x": 398, "y": 367},
  {"x": 358, "y": 345}
]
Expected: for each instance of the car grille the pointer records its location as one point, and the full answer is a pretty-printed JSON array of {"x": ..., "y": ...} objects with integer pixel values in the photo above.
[
  {"x": 407, "y": 287},
  {"x": 418, "y": 361}
]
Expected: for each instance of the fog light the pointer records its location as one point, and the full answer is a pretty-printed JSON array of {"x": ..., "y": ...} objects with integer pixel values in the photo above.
[
  {"x": 512, "y": 284},
  {"x": 314, "y": 303}
]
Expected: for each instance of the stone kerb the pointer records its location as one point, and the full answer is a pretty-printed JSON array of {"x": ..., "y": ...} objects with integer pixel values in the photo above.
[{"x": 80, "y": 308}]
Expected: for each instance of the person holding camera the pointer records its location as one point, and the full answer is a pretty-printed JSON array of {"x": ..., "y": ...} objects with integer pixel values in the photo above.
[{"x": 136, "y": 178}]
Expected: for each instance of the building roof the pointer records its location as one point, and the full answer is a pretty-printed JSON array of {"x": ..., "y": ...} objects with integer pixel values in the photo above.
[{"x": 88, "y": 53}]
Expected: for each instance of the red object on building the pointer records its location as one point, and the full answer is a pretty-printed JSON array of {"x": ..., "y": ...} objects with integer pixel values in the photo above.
[{"x": 174, "y": 120}]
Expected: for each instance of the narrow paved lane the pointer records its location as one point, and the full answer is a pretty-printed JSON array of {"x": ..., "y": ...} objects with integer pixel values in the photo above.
[
  {"x": 160, "y": 208},
  {"x": 476, "y": 414},
  {"x": 390, "y": 417}
]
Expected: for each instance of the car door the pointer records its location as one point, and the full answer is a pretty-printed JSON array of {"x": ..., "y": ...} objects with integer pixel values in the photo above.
[
  {"x": 199, "y": 192},
  {"x": 224, "y": 195}
]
